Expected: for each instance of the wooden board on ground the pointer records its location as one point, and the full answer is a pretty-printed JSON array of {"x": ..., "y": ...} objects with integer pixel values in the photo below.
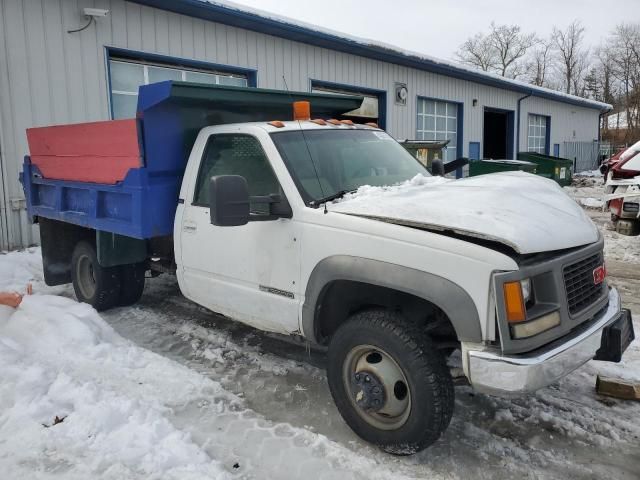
[{"x": 614, "y": 387}]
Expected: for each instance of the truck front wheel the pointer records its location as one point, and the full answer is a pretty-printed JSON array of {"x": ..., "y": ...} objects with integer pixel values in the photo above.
[
  {"x": 94, "y": 284},
  {"x": 389, "y": 382}
]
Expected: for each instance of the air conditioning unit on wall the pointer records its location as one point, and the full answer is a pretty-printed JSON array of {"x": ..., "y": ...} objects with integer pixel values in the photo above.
[{"x": 401, "y": 94}]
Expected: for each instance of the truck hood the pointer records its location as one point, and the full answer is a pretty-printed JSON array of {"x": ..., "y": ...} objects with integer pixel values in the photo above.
[{"x": 528, "y": 213}]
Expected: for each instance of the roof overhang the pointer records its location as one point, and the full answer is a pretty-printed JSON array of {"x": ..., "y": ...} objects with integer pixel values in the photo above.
[{"x": 227, "y": 15}]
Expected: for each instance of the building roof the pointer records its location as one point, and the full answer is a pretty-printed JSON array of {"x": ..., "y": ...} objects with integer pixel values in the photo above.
[{"x": 244, "y": 17}]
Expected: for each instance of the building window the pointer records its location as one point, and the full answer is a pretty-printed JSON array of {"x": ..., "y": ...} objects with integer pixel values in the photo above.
[
  {"x": 439, "y": 121},
  {"x": 127, "y": 76},
  {"x": 537, "y": 138}
]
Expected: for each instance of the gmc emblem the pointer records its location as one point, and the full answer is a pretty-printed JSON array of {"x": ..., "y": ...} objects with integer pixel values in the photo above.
[{"x": 598, "y": 275}]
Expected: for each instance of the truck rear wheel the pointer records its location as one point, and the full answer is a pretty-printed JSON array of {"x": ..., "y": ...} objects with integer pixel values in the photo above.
[
  {"x": 93, "y": 284},
  {"x": 389, "y": 382},
  {"x": 131, "y": 283}
]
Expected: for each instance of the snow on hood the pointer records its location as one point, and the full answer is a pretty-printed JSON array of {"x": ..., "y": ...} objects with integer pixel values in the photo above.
[{"x": 526, "y": 212}]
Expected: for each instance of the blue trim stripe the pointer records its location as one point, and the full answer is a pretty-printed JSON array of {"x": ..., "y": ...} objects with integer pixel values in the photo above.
[{"x": 251, "y": 21}]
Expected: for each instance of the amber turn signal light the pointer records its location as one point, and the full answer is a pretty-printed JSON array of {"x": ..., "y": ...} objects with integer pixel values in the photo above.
[
  {"x": 514, "y": 302},
  {"x": 301, "y": 110}
]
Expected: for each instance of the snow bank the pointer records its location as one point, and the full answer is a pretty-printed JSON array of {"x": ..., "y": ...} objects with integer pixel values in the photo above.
[
  {"x": 589, "y": 173},
  {"x": 591, "y": 202},
  {"x": 60, "y": 359}
]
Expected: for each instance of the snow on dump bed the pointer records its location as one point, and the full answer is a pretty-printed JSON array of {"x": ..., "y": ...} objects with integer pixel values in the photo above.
[
  {"x": 529, "y": 213},
  {"x": 78, "y": 401}
]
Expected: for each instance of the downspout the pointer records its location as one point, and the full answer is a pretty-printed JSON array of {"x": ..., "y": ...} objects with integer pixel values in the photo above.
[{"x": 530, "y": 94}]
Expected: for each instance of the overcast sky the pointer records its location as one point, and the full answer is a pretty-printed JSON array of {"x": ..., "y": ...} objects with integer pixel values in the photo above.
[{"x": 438, "y": 27}]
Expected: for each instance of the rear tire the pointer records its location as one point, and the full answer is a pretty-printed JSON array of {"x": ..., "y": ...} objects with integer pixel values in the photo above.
[
  {"x": 131, "y": 283},
  {"x": 389, "y": 382},
  {"x": 93, "y": 284}
]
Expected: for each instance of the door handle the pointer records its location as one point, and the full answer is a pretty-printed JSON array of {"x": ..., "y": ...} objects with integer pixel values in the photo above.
[{"x": 189, "y": 227}]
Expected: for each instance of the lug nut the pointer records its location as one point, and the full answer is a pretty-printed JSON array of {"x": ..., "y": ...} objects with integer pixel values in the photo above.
[
  {"x": 376, "y": 389},
  {"x": 357, "y": 377},
  {"x": 367, "y": 378}
]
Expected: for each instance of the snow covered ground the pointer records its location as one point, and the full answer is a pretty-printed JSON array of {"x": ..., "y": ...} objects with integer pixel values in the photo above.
[{"x": 166, "y": 389}]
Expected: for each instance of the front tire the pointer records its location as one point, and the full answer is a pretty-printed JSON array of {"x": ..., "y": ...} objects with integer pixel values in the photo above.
[
  {"x": 389, "y": 382},
  {"x": 93, "y": 284}
]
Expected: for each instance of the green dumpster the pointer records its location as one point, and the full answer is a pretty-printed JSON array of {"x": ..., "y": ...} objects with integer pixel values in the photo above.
[
  {"x": 480, "y": 167},
  {"x": 556, "y": 168},
  {"x": 425, "y": 150}
]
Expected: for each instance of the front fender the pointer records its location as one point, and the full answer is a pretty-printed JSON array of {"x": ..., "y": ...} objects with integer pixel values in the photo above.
[{"x": 448, "y": 296}]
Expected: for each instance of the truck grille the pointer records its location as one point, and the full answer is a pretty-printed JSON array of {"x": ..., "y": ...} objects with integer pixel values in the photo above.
[{"x": 578, "y": 281}]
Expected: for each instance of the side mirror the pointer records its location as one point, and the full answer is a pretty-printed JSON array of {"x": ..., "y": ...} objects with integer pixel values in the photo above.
[
  {"x": 437, "y": 167},
  {"x": 229, "y": 200}
]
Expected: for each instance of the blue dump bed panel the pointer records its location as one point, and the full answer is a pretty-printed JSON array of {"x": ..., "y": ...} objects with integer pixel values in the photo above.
[{"x": 169, "y": 116}]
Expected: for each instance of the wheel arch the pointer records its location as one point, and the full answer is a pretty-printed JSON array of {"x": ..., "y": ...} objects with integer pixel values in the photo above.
[{"x": 450, "y": 298}]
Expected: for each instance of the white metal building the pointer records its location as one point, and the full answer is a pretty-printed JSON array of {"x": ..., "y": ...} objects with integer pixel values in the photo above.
[{"x": 49, "y": 75}]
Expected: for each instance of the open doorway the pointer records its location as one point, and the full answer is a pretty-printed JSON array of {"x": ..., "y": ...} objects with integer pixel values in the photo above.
[{"x": 498, "y": 134}]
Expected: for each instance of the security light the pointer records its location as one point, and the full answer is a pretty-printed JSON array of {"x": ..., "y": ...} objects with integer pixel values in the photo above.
[
  {"x": 91, "y": 14},
  {"x": 95, "y": 12}
]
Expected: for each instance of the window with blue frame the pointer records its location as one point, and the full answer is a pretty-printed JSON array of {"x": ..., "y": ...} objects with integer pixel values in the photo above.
[
  {"x": 128, "y": 75},
  {"x": 438, "y": 120},
  {"x": 537, "y": 134}
]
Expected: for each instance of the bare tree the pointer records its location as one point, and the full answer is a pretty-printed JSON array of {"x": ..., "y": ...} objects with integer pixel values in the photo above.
[
  {"x": 501, "y": 50},
  {"x": 624, "y": 45},
  {"x": 540, "y": 62},
  {"x": 510, "y": 45},
  {"x": 572, "y": 55},
  {"x": 604, "y": 74},
  {"x": 478, "y": 52}
]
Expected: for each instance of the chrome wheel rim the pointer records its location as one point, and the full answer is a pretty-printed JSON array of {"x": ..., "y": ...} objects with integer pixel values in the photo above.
[
  {"x": 377, "y": 387},
  {"x": 86, "y": 277}
]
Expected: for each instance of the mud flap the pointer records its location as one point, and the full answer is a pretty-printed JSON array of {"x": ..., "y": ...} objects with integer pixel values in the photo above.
[{"x": 616, "y": 338}]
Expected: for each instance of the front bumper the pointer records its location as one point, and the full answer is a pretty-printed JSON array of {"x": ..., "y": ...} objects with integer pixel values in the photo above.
[{"x": 493, "y": 373}]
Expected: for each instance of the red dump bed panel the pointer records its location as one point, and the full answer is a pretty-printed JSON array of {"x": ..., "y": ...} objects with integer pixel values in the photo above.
[{"x": 97, "y": 152}]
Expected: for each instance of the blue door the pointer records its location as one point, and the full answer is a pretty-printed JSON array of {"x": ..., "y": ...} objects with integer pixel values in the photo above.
[
  {"x": 556, "y": 149},
  {"x": 474, "y": 150}
]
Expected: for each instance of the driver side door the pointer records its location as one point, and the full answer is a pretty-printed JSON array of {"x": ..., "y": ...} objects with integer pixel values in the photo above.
[{"x": 248, "y": 272}]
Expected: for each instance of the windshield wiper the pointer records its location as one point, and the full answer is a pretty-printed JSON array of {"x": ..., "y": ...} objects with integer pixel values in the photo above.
[{"x": 328, "y": 198}]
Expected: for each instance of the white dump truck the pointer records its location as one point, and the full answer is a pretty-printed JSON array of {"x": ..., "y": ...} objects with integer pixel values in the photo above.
[{"x": 330, "y": 232}]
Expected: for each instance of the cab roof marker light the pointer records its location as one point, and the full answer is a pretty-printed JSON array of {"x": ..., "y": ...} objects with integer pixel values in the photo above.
[
  {"x": 333, "y": 121},
  {"x": 346, "y": 122},
  {"x": 302, "y": 110},
  {"x": 372, "y": 124},
  {"x": 318, "y": 121},
  {"x": 276, "y": 123}
]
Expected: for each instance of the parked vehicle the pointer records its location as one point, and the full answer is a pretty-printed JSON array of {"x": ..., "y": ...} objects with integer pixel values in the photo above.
[
  {"x": 264, "y": 221},
  {"x": 622, "y": 192},
  {"x": 624, "y": 153}
]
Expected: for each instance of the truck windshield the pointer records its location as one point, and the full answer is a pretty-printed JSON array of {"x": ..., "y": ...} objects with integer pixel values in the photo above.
[{"x": 326, "y": 162}]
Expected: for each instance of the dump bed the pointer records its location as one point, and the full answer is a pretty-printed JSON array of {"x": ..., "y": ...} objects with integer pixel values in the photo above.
[{"x": 124, "y": 176}]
